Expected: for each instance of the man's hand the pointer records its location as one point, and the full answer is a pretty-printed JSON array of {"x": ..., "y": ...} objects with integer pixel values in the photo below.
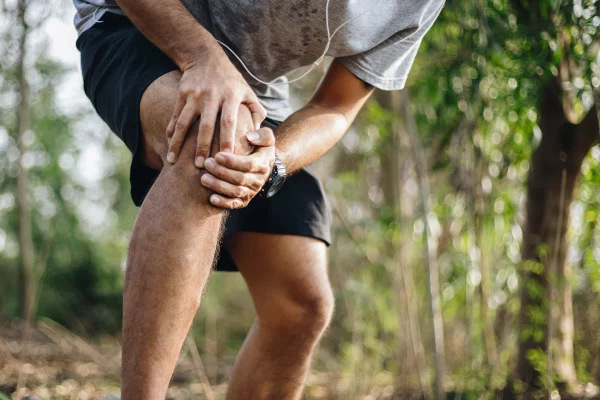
[
  {"x": 205, "y": 89},
  {"x": 237, "y": 179},
  {"x": 210, "y": 83}
]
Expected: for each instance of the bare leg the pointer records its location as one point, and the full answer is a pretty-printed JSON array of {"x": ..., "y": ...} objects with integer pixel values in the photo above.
[
  {"x": 170, "y": 255},
  {"x": 287, "y": 277}
]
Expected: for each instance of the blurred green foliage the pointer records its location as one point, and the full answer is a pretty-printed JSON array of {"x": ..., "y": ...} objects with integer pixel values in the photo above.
[
  {"x": 474, "y": 91},
  {"x": 78, "y": 257}
]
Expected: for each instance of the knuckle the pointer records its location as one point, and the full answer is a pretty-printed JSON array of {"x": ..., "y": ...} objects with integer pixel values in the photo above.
[
  {"x": 264, "y": 169},
  {"x": 175, "y": 146},
  {"x": 240, "y": 180},
  {"x": 227, "y": 142},
  {"x": 254, "y": 186},
  {"x": 206, "y": 127},
  {"x": 195, "y": 94},
  {"x": 229, "y": 93},
  {"x": 181, "y": 124},
  {"x": 258, "y": 184},
  {"x": 202, "y": 147},
  {"x": 175, "y": 142},
  {"x": 184, "y": 91},
  {"x": 238, "y": 191},
  {"x": 208, "y": 94},
  {"x": 228, "y": 120}
]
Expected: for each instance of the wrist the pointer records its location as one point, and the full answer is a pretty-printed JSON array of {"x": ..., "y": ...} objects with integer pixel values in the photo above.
[
  {"x": 282, "y": 156},
  {"x": 275, "y": 180},
  {"x": 189, "y": 57}
]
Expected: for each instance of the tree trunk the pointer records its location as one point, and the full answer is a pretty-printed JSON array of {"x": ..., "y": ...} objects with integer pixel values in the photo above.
[
  {"x": 561, "y": 151},
  {"x": 396, "y": 171},
  {"x": 25, "y": 237},
  {"x": 430, "y": 247},
  {"x": 484, "y": 267}
]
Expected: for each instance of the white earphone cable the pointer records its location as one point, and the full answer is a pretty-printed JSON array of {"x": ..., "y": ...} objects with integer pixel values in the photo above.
[
  {"x": 314, "y": 64},
  {"x": 96, "y": 20}
]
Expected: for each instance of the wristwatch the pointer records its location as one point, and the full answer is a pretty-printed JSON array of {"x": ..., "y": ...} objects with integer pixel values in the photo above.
[{"x": 276, "y": 179}]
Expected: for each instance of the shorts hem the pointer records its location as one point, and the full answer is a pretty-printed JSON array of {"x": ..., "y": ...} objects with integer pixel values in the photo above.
[{"x": 284, "y": 232}]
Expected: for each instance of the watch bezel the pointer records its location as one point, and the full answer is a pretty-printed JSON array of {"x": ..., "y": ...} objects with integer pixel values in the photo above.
[{"x": 276, "y": 179}]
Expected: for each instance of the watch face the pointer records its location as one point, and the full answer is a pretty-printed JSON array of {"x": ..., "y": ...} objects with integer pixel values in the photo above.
[{"x": 276, "y": 186}]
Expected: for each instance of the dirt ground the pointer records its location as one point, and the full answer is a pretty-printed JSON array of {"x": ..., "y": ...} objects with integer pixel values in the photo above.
[{"x": 57, "y": 364}]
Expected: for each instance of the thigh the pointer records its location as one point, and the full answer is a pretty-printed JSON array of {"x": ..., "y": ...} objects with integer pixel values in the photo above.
[
  {"x": 280, "y": 268},
  {"x": 133, "y": 87},
  {"x": 156, "y": 109}
]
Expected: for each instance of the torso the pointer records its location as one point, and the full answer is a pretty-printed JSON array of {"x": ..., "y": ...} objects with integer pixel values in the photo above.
[{"x": 274, "y": 37}]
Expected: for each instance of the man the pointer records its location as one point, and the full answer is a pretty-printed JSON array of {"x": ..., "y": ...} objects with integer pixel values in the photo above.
[{"x": 187, "y": 86}]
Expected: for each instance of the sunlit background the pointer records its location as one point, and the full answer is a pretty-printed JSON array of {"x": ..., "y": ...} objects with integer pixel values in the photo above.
[{"x": 475, "y": 190}]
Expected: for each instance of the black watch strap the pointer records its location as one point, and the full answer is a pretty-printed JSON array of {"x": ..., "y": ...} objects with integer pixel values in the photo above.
[{"x": 276, "y": 179}]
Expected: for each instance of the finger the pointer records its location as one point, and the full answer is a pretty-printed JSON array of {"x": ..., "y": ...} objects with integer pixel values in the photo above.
[
  {"x": 258, "y": 111},
  {"x": 229, "y": 112},
  {"x": 182, "y": 125},
  {"x": 250, "y": 163},
  {"x": 224, "y": 202},
  {"x": 206, "y": 131},
  {"x": 232, "y": 176},
  {"x": 263, "y": 137},
  {"x": 176, "y": 111},
  {"x": 224, "y": 188}
]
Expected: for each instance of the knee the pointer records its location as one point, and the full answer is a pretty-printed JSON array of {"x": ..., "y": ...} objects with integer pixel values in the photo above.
[
  {"x": 184, "y": 176},
  {"x": 182, "y": 180},
  {"x": 317, "y": 313},
  {"x": 308, "y": 313}
]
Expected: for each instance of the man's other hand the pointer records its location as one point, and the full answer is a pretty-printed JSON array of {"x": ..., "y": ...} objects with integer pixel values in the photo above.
[{"x": 237, "y": 179}]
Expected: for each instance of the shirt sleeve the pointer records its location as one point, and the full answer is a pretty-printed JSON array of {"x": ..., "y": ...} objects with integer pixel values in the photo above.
[{"x": 386, "y": 66}]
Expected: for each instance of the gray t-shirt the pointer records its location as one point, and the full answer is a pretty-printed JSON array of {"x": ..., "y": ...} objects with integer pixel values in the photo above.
[{"x": 274, "y": 37}]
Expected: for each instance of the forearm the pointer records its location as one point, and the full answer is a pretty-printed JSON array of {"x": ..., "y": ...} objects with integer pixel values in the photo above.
[
  {"x": 308, "y": 134},
  {"x": 171, "y": 28}
]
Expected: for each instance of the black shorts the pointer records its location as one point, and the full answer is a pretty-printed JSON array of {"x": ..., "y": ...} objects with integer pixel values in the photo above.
[{"x": 118, "y": 64}]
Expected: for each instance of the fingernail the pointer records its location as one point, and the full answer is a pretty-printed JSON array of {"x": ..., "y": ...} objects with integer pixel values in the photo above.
[
  {"x": 257, "y": 127},
  {"x": 252, "y": 136},
  {"x": 171, "y": 157},
  {"x": 220, "y": 158},
  {"x": 200, "y": 162},
  {"x": 207, "y": 179},
  {"x": 215, "y": 199},
  {"x": 210, "y": 163}
]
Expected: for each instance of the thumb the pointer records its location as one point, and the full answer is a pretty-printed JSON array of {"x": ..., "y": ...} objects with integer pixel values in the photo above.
[
  {"x": 256, "y": 109},
  {"x": 263, "y": 137}
]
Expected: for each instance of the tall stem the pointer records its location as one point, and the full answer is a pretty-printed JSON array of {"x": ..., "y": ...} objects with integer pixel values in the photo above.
[
  {"x": 25, "y": 237},
  {"x": 430, "y": 247}
]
